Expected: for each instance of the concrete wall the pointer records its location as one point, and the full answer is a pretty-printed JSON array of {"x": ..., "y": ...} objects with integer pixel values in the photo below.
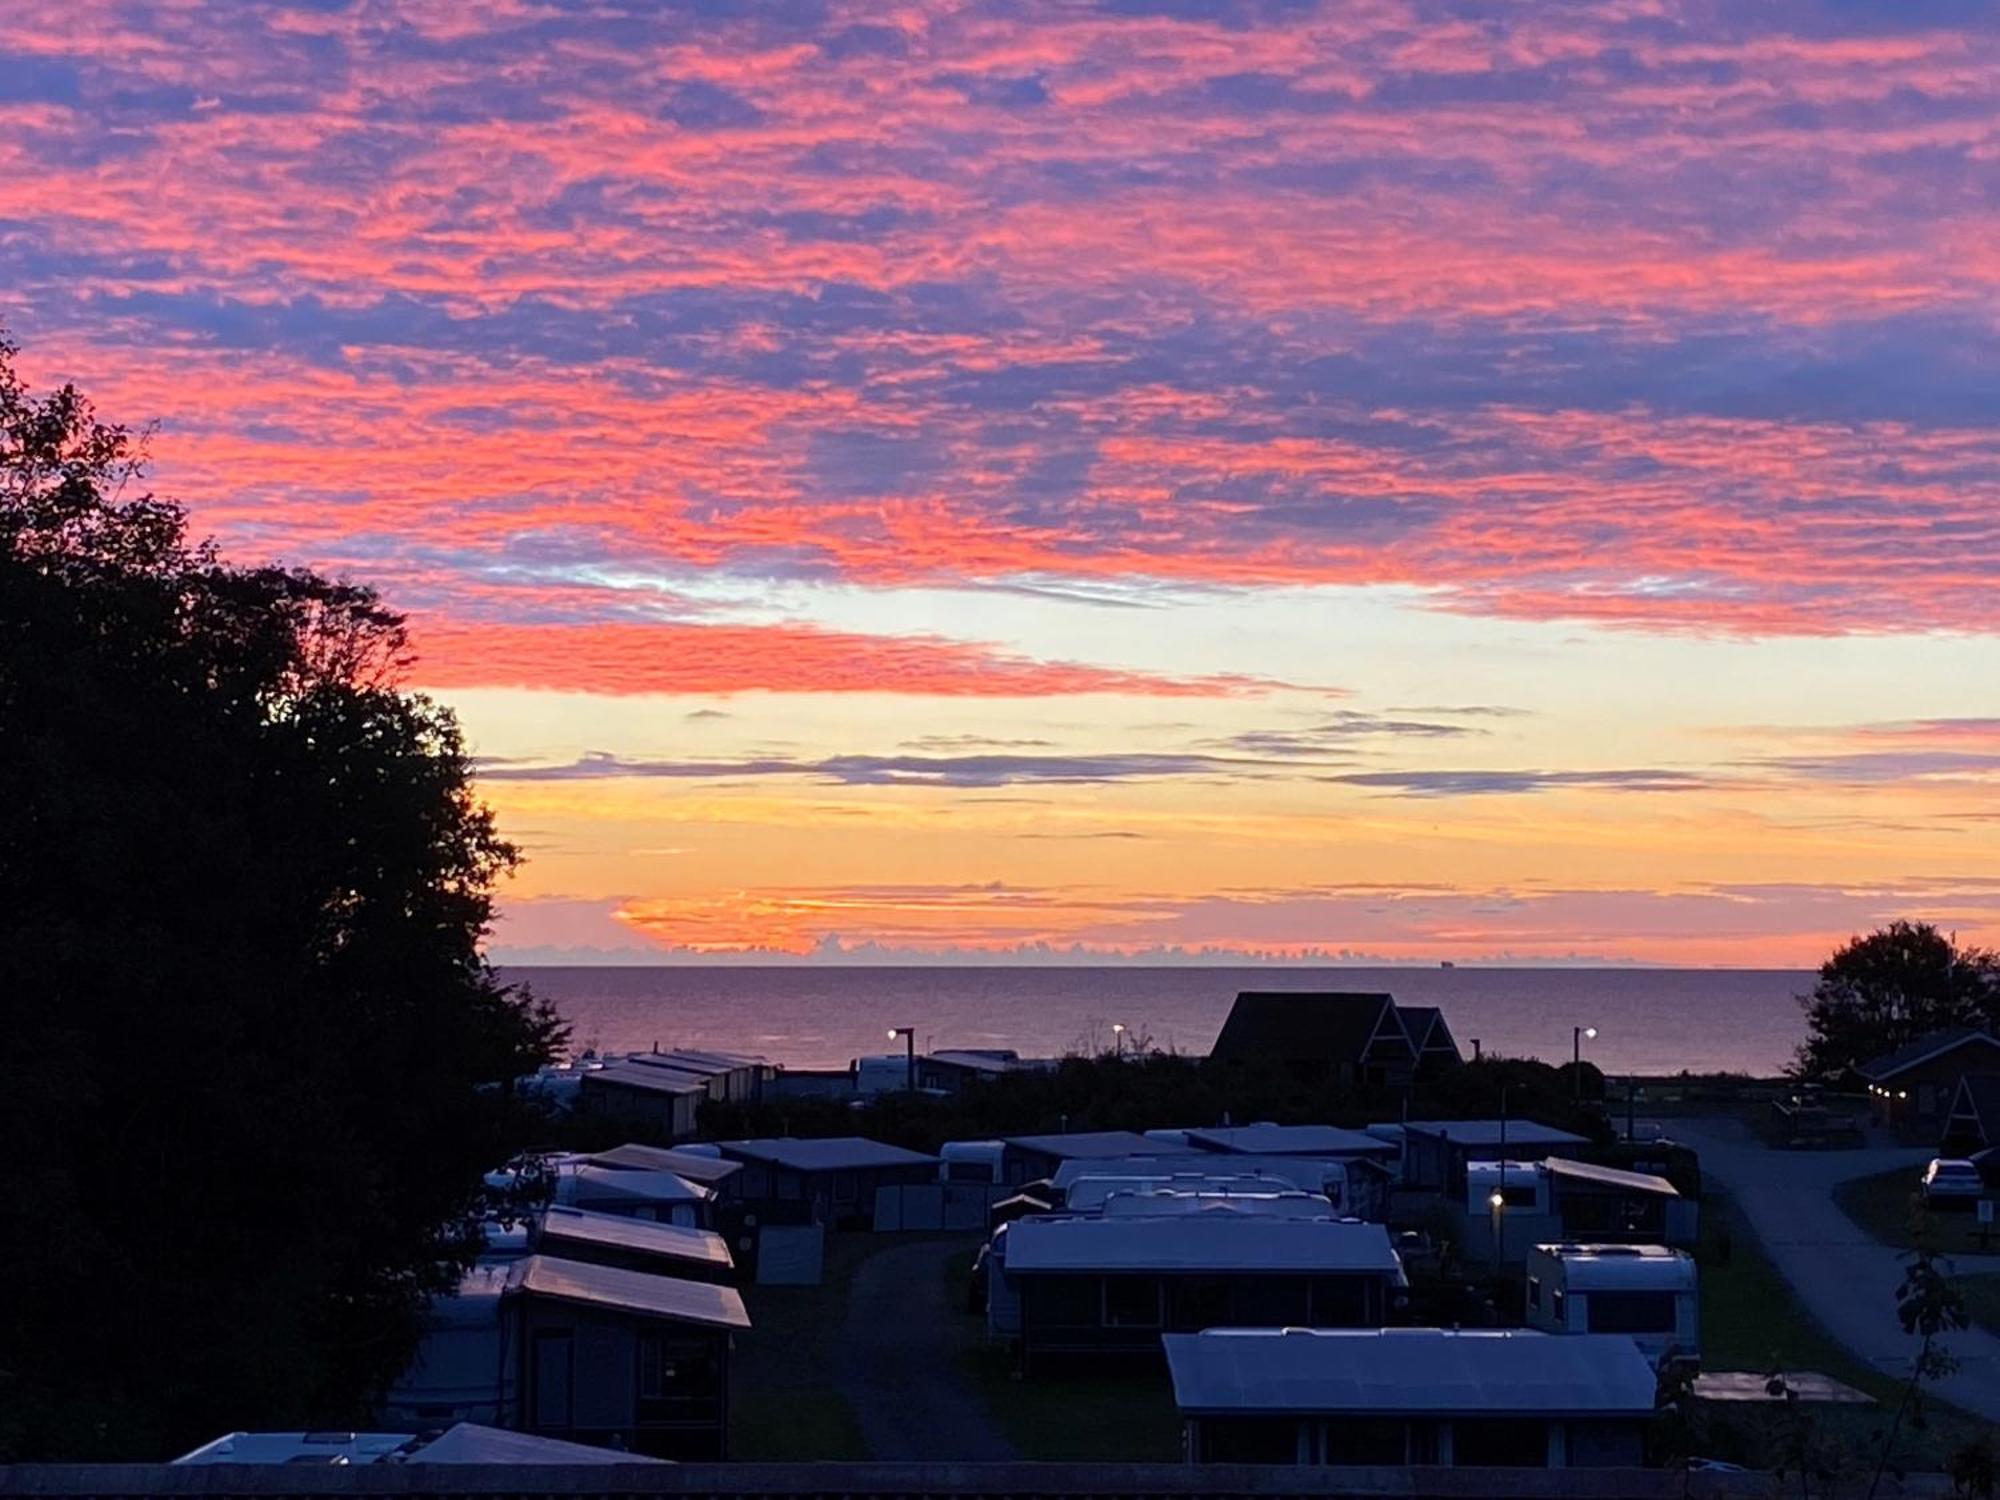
[{"x": 1027, "y": 1481}]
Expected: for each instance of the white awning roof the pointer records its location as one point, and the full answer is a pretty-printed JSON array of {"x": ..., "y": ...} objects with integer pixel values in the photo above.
[
  {"x": 615, "y": 1231},
  {"x": 650, "y": 1079},
  {"x": 1413, "y": 1371},
  {"x": 1219, "y": 1242},
  {"x": 695, "y": 1166},
  {"x": 636, "y": 1292},
  {"x": 1636, "y": 1182},
  {"x": 585, "y": 1184}
]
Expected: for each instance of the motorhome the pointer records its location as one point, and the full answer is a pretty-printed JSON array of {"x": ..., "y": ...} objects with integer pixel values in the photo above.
[{"x": 1647, "y": 1292}]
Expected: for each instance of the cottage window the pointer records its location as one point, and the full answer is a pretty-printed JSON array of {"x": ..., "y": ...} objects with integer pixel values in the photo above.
[
  {"x": 1250, "y": 1440},
  {"x": 1557, "y": 1310},
  {"x": 1198, "y": 1302},
  {"x": 1131, "y": 1302},
  {"x": 1364, "y": 1441},
  {"x": 1535, "y": 1293},
  {"x": 674, "y": 1371},
  {"x": 843, "y": 1187},
  {"x": 1339, "y": 1302},
  {"x": 1500, "y": 1442},
  {"x": 1273, "y": 1302},
  {"x": 1063, "y": 1302}
]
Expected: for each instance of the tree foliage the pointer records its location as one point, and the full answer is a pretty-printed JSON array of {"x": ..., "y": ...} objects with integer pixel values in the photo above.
[
  {"x": 1141, "y": 1092},
  {"x": 1883, "y": 991},
  {"x": 251, "y": 1060}
]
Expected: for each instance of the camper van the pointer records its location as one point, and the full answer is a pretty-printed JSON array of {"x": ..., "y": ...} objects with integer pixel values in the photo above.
[
  {"x": 1523, "y": 1186},
  {"x": 1645, "y": 1291},
  {"x": 972, "y": 1161}
]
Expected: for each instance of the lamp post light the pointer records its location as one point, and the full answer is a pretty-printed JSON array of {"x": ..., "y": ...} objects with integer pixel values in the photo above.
[
  {"x": 1576, "y": 1036},
  {"x": 1118, "y": 1037},
  {"x": 909, "y": 1036}
]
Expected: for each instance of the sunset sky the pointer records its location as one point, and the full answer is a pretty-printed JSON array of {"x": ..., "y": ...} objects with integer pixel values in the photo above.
[{"x": 1399, "y": 477}]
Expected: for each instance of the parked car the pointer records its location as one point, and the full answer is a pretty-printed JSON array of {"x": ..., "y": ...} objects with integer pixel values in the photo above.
[{"x": 1951, "y": 1180}]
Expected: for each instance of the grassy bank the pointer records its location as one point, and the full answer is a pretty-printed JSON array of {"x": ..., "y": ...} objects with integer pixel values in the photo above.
[
  {"x": 1091, "y": 1415},
  {"x": 1751, "y": 1320},
  {"x": 785, "y": 1405},
  {"x": 1881, "y": 1204}
]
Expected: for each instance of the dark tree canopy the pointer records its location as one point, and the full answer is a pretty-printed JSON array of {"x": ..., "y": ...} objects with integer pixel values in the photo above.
[
  {"x": 1883, "y": 991},
  {"x": 251, "y": 1061}
]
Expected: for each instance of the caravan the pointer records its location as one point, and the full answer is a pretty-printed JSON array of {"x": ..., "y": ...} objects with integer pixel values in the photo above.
[{"x": 1647, "y": 1292}]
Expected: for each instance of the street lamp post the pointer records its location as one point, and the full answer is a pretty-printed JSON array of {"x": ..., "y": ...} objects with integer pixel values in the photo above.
[
  {"x": 1576, "y": 1036},
  {"x": 909, "y": 1036},
  {"x": 1118, "y": 1037}
]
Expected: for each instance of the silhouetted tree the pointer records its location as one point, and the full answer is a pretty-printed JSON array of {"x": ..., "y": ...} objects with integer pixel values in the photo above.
[
  {"x": 1879, "y": 992},
  {"x": 1928, "y": 1306},
  {"x": 251, "y": 1061}
]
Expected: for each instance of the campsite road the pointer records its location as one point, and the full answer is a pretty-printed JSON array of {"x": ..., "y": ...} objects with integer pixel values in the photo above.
[
  {"x": 1846, "y": 1278},
  {"x": 898, "y": 1360}
]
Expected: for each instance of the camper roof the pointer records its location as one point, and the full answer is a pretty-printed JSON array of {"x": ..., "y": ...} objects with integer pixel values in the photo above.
[
  {"x": 1287, "y": 1140},
  {"x": 1208, "y": 1241},
  {"x": 1595, "y": 1268},
  {"x": 1495, "y": 1132},
  {"x": 1076, "y": 1145},
  {"x": 1311, "y": 1173},
  {"x": 300, "y": 1448},
  {"x": 1430, "y": 1371}
]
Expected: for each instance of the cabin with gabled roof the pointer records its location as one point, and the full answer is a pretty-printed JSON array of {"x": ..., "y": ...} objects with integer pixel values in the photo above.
[{"x": 1356, "y": 1039}]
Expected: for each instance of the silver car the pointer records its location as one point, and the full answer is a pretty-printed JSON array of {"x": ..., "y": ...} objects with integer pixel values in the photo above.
[{"x": 1949, "y": 1178}]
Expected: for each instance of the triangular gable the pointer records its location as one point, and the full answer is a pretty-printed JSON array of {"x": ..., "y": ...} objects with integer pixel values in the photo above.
[{"x": 1389, "y": 1036}]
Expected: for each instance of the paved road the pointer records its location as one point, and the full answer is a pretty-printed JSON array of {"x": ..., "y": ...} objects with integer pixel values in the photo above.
[
  {"x": 897, "y": 1362},
  {"x": 1846, "y": 1278}
]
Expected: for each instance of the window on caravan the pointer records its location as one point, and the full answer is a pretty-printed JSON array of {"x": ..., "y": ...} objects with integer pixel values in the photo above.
[{"x": 1631, "y": 1312}]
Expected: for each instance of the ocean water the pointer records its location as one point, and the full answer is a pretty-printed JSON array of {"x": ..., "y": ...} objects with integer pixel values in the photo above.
[{"x": 1648, "y": 1021}]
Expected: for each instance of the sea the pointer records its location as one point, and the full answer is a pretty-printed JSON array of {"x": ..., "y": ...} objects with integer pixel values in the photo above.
[{"x": 1648, "y": 1021}]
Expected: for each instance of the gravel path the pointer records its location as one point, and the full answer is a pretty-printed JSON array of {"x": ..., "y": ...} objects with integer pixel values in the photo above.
[
  {"x": 897, "y": 1361},
  {"x": 1846, "y": 1278}
]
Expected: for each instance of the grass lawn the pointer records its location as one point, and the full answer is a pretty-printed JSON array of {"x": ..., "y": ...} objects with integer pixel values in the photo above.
[
  {"x": 1881, "y": 1205},
  {"x": 1982, "y": 1299},
  {"x": 1750, "y": 1320},
  {"x": 1101, "y": 1415},
  {"x": 783, "y": 1401}
]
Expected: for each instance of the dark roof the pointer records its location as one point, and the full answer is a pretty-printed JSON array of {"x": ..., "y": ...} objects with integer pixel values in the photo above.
[
  {"x": 1930, "y": 1045},
  {"x": 1428, "y": 1032},
  {"x": 840, "y": 1153},
  {"x": 1079, "y": 1144},
  {"x": 1311, "y": 1027}
]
